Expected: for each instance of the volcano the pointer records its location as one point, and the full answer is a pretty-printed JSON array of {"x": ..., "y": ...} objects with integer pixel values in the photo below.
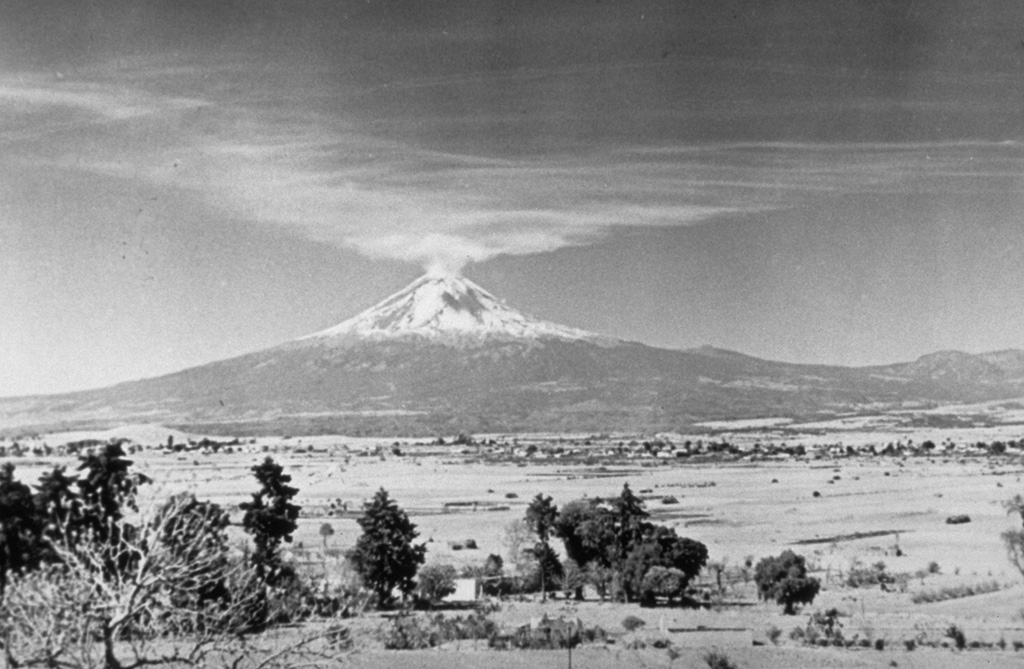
[
  {"x": 444, "y": 355},
  {"x": 445, "y": 309}
]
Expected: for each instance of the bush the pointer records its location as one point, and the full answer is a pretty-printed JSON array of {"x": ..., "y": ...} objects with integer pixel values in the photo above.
[
  {"x": 958, "y": 636},
  {"x": 955, "y": 592},
  {"x": 774, "y": 633},
  {"x": 784, "y": 579},
  {"x": 861, "y": 575},
  {"x": 632, "y": 623},
  {"x": 879, "y": 644},
  {"x": 717, "y": 660},
  {"x": 410, "y": 632},
  {"x": 958, "y": 519},
  {"x": 824, "y": 628}
]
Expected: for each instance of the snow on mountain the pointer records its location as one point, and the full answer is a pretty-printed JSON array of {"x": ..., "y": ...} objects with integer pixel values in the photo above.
[{"x": 445, "y": 308}]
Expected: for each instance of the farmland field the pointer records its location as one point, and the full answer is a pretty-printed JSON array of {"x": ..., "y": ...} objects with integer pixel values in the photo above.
[{"x": 840, "y": 512}]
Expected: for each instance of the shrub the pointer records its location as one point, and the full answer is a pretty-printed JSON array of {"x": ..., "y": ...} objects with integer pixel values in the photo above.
[
  {"x": 632, "y": 623},
  {"x": 955, "y": 592},
  {"x": 879, "y": 644},
  {"x": 958, "y": 519},
  {"x": 716, "y": 660},
  {"x": 773, "y": 634},
  {"x": 957, "y": 635},
  {"x": 861, "y": 575},
  {"x": 824, "y": 627},
  {"x": 78, "y": 613},
  {"x": 911, "y": 644},
  {"x": 408, "y": 633}
]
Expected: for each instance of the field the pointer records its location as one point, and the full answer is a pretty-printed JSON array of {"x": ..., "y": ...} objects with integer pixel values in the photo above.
[{"x": 843, "y": 513}]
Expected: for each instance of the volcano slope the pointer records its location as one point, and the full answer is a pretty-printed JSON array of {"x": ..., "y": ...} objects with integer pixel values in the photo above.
[{"x": 445, "y": 355}]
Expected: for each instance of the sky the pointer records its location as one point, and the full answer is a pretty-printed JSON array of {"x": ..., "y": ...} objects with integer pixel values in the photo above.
[{"x": 819, "y": 182}]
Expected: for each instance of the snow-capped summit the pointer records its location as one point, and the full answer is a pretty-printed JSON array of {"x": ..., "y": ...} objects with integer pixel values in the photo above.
[{"x": 445, "y": 308}]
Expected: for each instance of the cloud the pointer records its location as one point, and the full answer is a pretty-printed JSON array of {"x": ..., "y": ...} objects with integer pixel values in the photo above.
[{"x": 320, "y": 176}]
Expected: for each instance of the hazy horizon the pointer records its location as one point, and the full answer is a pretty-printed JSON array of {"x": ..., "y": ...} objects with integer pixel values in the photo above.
[{"x": 835, "y": 183}]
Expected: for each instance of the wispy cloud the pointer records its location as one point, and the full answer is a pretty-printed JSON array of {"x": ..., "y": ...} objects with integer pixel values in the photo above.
[{"x": 324, "y": 178}]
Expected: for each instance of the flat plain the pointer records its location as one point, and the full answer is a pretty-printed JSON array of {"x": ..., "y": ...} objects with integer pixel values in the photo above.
[{"x": 843, "y": 512}]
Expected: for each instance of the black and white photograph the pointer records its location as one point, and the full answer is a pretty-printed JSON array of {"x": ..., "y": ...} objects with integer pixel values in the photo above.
[{"x": 511, "y": 333}]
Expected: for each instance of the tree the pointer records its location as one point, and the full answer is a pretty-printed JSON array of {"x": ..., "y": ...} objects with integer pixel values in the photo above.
[
  {"x": 663, "y": 582},
  {"x": 326, "y": 531},
  {"x": 270, "y": 518},
  {"x": 541, "y": 515},
  {"x": 629, "y": 523},
  {"x": 385, "y": 555},
  {"x": 195, "y": 532},
  {"x": 77, "y": 613},
  {"x": 616, "y": 545},
  {"x": 57, "y": 505},
  {"x": 784, "y": 579},
  {"x": 661, "y": 547},
  {"x": 436, "y": 581},
  {"x": 106, "y": 489},
  {"x": 517, "y": 537},
  {"x": 575, "y": 526},
  {"x": 1014, "y": 539},
  {"x": 20, "y": 530},
  {"x": 573, "y": 580}
]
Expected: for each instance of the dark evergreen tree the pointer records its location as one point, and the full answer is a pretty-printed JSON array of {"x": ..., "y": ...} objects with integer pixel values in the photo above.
[
  {"x": 59, "y": 508},
  {"x": 541, "y": 515},
  {"x": 270, "y": 518},
  {"x": 628, "y": 523},
  {"x": 20, "y": 527},
  {"x": 385, "y": 555},
  {"x": 106, "y": 487}
]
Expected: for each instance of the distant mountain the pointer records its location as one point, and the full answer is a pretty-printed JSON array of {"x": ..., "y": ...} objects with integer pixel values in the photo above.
[
  {"x": 444, "y": 355},
  {"x": 443, "y": 309}
]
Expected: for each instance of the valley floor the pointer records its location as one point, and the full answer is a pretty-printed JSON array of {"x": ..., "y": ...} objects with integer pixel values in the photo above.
[{"x": 868, "y": 510}]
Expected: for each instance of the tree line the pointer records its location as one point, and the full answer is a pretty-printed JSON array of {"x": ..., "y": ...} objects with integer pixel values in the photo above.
[{"x": 84, "y": 570}]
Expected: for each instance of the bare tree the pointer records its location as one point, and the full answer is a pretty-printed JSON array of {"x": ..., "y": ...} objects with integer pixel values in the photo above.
[
  {"x": 156, "y": 610},
  {"x": 1014, "y": 539}
]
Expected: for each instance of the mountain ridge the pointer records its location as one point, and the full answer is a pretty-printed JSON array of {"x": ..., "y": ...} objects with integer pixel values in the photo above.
[{"x": 443, "y": 355}]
